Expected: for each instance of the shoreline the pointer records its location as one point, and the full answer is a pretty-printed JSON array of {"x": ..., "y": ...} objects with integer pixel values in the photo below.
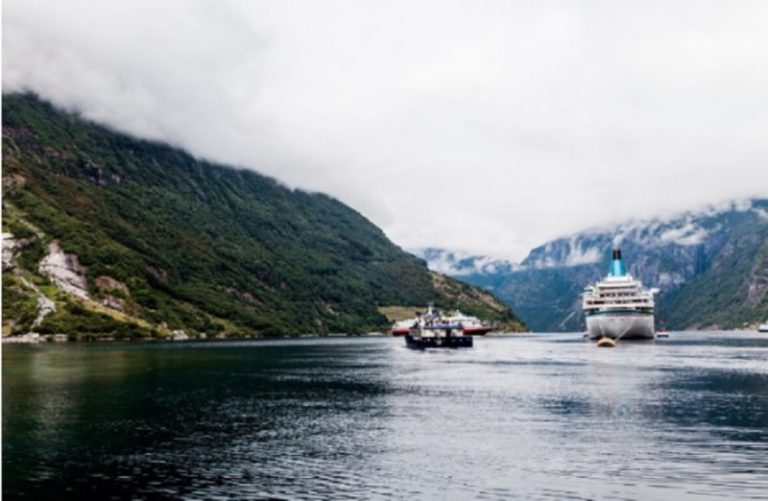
[{"x": 35, "y": 338}]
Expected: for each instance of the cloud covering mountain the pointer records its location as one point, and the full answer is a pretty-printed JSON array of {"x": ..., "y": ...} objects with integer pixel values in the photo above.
[
  {"x": 481, "y": 127},
  {"x": 711, "y": 266}
]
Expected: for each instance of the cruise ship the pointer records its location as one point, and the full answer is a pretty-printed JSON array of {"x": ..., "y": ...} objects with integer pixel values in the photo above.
[{"x": 619, "y": 307}]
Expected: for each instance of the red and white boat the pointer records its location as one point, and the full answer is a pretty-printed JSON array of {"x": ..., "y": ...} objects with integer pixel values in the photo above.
[
  {"x": 472, "y": 326},
  {"x": 402, "y": 327}
]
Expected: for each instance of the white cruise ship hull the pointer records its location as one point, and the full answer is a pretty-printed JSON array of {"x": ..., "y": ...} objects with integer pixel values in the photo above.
[{"x": 629, "y": 325}]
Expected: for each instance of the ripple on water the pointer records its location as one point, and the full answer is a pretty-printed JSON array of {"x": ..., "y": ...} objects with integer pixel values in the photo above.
[{"x": 540, "y": 417}]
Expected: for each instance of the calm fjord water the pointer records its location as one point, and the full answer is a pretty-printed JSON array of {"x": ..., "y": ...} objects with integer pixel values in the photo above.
[{"x": 543, "y": 416}]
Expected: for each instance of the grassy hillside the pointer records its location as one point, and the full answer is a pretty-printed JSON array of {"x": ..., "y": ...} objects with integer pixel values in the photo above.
[{"x": 164, "y": 241}]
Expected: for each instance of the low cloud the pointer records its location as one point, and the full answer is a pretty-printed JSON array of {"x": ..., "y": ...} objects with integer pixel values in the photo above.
[{"x": 482, "y": 127}]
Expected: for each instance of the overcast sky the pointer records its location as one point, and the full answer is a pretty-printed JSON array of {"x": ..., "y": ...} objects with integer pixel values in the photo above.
[{"x": 487, "y": 127}]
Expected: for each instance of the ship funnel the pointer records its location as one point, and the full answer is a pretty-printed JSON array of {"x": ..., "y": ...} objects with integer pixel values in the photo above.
[{"x": 617, "y": 264}]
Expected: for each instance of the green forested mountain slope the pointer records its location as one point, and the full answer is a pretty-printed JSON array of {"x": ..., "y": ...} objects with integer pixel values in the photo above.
[
  {"x": 731, "y": 291},
  {"x": 162, "y": 241}
]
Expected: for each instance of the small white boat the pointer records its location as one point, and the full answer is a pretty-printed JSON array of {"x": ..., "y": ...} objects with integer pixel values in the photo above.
[
  {"x": 606, "y": 342},
  {"x": 762, "y": 327}
]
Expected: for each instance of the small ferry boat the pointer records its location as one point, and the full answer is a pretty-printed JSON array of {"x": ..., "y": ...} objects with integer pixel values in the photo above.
[
  {"x": 619, "y": 307},
  {"x": 471, "y": 326},
  {"x": 437, "y": 336},
  {"x": 433, "y": 330}
]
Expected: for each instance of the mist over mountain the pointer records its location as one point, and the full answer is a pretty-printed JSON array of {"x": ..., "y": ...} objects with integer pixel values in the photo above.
[
  {"x": 711, "y": 266},
  {"x": 460, "y": 264},
  {"x": 487, "y": 129}
]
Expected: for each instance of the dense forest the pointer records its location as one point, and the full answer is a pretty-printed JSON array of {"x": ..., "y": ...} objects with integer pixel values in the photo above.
[{"x": 163, "y": 241}]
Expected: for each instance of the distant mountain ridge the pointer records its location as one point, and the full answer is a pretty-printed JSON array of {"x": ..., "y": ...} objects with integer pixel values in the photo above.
[
  {"x": 710, "y": 265},
  {"x": 458, "y": 264},
  {"x": 108, "y": 235}
]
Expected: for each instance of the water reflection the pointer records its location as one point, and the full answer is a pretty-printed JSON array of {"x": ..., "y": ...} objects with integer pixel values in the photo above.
[{"x": 541, "y": 417}]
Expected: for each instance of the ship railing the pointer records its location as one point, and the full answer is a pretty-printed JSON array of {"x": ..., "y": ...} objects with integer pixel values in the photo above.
[{"x": 598, "y": 304}]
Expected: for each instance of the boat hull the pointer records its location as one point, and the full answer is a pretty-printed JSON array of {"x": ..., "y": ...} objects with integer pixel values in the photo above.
[
  {"x": 624, "y": 325},
  {"x": 468, "y": 331},
  {"x": 476, "y": 331},
  {"x": 421, "y": 343}
]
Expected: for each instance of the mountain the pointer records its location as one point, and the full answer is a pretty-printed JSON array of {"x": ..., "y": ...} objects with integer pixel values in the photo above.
[
  {"x": 457, "y": 264},
  {"x": 105, "y": 234},
  {"x": 711, "y": 266}
]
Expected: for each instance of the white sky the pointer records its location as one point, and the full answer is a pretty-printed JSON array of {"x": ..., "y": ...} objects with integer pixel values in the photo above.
[{"x": 485, "y": 127}]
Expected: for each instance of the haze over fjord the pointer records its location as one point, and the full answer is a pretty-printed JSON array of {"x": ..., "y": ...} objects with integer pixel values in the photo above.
[{"x": 482, "y": 127}]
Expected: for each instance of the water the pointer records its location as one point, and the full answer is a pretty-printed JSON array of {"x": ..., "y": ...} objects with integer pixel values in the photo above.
[{"x": 540, "y": 417}]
